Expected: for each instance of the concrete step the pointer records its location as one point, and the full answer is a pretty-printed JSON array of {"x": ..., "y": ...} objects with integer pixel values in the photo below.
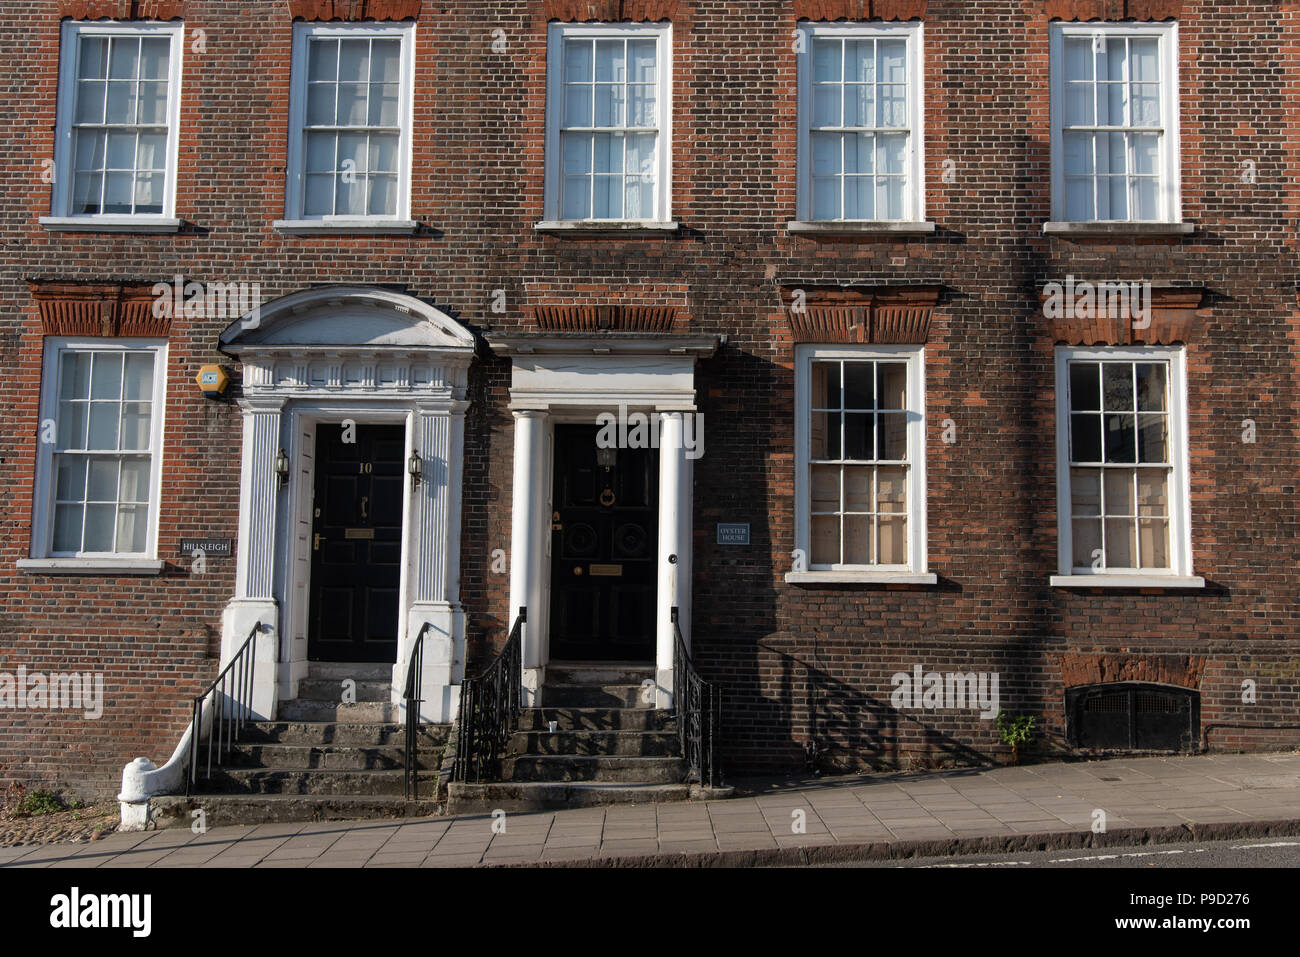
[
  {"x": 229, "y": 809},
  {"x": 602, "y": 768},
  {"x": 595, "y": 696},
  {"x": 316, "y": 782},
  {"x": 363, "y": 712},
  {"x": 297, "y": 757},
  {"x": 596, "y": 719},
  {"x": 338, "y": 670},
  {"x": 541, "y": 795},
  {"x": 625, "y": 743},
  {"x": 333, "y": 734},
  {"x": 600, "y": 673},
  {"x": 331, "y": 690}
]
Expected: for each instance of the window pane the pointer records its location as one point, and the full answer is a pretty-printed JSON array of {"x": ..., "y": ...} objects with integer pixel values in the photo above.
[
  {"x": 320, "y": 104},
  {"x": 891, "y": 378},
  {"x": 1144, "y": 59},
  {"x": 151, "y": 151},
  {"x": 323, "y": 60},
  {"x": 134, "y": 483},
  {"x": 149, "y": 192},
  {"x": 826, "y": 197},
  {"x": 860, "y": 106},
  {"x": 893, "y": 436},
  {"x": 1079, "y": 204},
  {"x": 859, "y": 439},
  {"x": 72, "y": 424},
  {"x": 350, "y": 195},
  {"x": 132, "y": 524},
  {"x": 893, "y": 539},
  {"x": 1119, "y": 492},
  {"x": 383, "y": 195},
  {"x": 610, "y": 65},
  {"x": 1085, "y": 386},
  {"x": 352, "y": 104},
  {"x": 1153, "y": 542},
  {"x": 153, "y": 104},
  {"x": 826, "y": 540},
  {"x": 123, "y": 58},
  {"x": 99, "y": 533},
  {"x": 644, "y": 56},
  {"x": 859, "y": 152},
  {"x": 859, "y": 197},
  {"x": 577, "y": 106},
  {"x": 320, "y": 195},
  {"x": 119, "y": 189},
  {"x": 1085, "y": 438},
  {"x": 1085, "y": 492},
  {"x": 67, "y": 528},
  {"x": 826, "y": 154},
  {"x": 607, "y": 197},
  {"x": 155, "y": 53},
  {"x": 90, "y": 101},
  {"x": 383, "y": 152},
  {"x": 1118, "y": 188},
  {"x": 74, "y": 375},
  {"x": 93, "y": 58},
  {"x": 857, "y": 540},
  {"x": 609, "y": 105},
  {"x": 353, "y": 153},
  {"x": 1146, "y": 199},
  {"x": 825, "y": 488},
  {"x": 639, "y": 198},
  {"x": 575, "y": 202},
  {"x": 576, "y": 152},
  {"x": 820, "y": 435},
  {"x": 1152, "y": 492},
  {"x": 1117, "y": 379},
  {"x": 101, "y": 484},
  {"x": 859, "y": 385},
  {"x": 892, "y": 58},
  {"x": 892, "y": 105},
  {"x": 103, "y": 425},
  {"x": 1146, "y": 104},
  {"x": 826, "y": 60},
  {"x": 383, "y": 104},
  {"x": 891, "y": 489},
  {"x": 889, "y": 198},
  {"x": 1120, "y": 438},
  {"x": 857, "y": 489},
  {"x": 354, "y": 61},
  {"x": 860, "y": 61},
  {"x": 106, "y": 376},
  {"x": 891, "y": 153},
  {"x": 1121, "y": 543},
  {"x": 1153, "y": 438},
  {"x": 385, "y": 61},
  {"x": 70, "y": 483},
  {"x": 641, "y": 106},
  {"x": 1085, "y": 539},
  {"x": 608, "y": 152},
  {"x": 89, "y": 150},
  {"x": 1079, "y": 107},
  {"x": 121, "y": 102},
  {"x": 577, "y": 60},
  {"x": 826, "y": 385},
  {"x": 826, "y": 106},
  {"x": 320, "y": 152},
  {"x": 640, "y": 153},
  {"x": 135, "y": 425}
]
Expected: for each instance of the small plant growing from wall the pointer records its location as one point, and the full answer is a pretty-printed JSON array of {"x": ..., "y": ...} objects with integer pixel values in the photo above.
[{"x": 1016, "y": 731}]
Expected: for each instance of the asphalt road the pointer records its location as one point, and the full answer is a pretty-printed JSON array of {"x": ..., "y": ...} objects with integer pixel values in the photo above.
[{"x": 1265, "y": 852}]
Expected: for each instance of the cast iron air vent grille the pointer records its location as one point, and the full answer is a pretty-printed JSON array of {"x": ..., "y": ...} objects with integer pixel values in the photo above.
[{"x": 1133, "y": 717}]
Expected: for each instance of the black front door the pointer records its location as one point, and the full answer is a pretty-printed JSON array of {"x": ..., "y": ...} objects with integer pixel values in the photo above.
[
  {"x": 604, "y": 538},
  {"x": 356, "y": 543}
]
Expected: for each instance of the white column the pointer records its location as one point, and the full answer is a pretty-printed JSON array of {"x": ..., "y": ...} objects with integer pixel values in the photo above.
[
  {"x": 528, "y": 519},
  {"x": 255, "y": 600},
  {"x": 671, "y": 473},
  {"x": 433, "y": 545}
]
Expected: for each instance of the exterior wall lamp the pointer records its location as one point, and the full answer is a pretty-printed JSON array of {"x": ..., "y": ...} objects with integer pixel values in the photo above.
[
  {"x": 281, "y": 467},
  {"x": 415, "y": 468}
]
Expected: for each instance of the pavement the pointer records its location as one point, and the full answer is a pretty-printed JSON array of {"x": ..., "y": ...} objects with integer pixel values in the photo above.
[{"x": 773, "y": 823}]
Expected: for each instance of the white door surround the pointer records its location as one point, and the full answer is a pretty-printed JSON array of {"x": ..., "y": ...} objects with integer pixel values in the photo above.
[
  {"x": 330, "y": 355},
  {"x": 564, "y": 379}
]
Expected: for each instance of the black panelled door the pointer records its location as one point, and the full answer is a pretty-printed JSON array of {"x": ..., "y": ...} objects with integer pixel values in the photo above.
[
  {"x": 356, "y": 543},
  {"x": 604, "y": 541}
]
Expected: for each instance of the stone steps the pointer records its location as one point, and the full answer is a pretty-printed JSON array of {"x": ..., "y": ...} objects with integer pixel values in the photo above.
[
  {"x": 630, "y": 696},
  {"x": 606, "y": 769},
  {"x": 596, "y": 719},
  {"x": 363, "y": 712},
  {"x": 306, "y": 757},
  {"x": 332, "y": 689},
  {"x": 334, "y": 783},
  {"x": 546, "y": 795},
  {"x": 616, "y": 743},
  {"x": 229, "y": 809},
  {"x": 343, "y": 735}
]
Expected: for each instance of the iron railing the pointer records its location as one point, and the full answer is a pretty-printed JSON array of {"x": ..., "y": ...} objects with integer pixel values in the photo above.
[
  {"x": 231, "y": 708},
  {"x": 697, "y": 706},
  {"x": 489, "y": 711},
  {"x": 411, "y": 756}
]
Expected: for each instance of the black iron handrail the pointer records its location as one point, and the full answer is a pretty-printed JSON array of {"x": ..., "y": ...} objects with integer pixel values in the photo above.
[
  {"x": 697, "y": 705},
  {"x": 489, "y": 711},
  {"x": 414, "y": 667},
  {"x": 232, "y": 705}
]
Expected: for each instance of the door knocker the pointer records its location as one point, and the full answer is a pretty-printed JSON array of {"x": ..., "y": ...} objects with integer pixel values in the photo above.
[
  {"x": 607, "y": 497},
  {"x": 364, "y": 502}
]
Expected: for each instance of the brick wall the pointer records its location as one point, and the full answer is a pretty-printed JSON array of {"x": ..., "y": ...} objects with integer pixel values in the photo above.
[{"x": 795, "y": 662}]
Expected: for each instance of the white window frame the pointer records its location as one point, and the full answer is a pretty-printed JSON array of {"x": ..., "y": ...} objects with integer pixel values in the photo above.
[
  {"x": 556, "y": 35},
  {"x": 916, "y": 570},
  {"x": 295, "y": 172},
  {"x": 913, "y": 33},
  {"x": 43, "y": 557},
  {"x": 1179, "y": 573},
  {"x": 1170, "y": 142},
  {"x": 61, "y": 216}
]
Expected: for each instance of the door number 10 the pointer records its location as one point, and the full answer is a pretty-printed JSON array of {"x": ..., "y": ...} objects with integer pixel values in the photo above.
[{"x": 364, "y": 468}]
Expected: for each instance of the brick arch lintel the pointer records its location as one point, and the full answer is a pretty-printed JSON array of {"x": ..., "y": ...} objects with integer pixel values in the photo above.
[
  {"x": 122, "y": 9},
  {"x": 1175, "y": 312},
  {"x": 98, "y": 309},
  {"x": 859, "y": 9},
  {"x": 884, "y": 314},
  {"x": 354, "y": 9},
  {"x": 610, "y": 11},
  {"x": 1079, "y": 669},
  {"x": 1110, "y": 10}
]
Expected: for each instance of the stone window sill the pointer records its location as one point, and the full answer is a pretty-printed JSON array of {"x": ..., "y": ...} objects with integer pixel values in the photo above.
[
  {"x": 1118, "y": 229},
  {"x": 602, "y": 228},
  {"x": 344, "y": 225},
  {"x": 111, "y": 224},
  {"x": 860, "y": 578},
  {"x": 90, "y": 566},
  {"x": 883, "y": 228},
  {"x": 1126, "y": 581}
]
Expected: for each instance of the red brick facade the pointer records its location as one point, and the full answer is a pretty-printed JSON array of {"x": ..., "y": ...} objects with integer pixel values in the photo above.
[{"x": 796, "y": 663}]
